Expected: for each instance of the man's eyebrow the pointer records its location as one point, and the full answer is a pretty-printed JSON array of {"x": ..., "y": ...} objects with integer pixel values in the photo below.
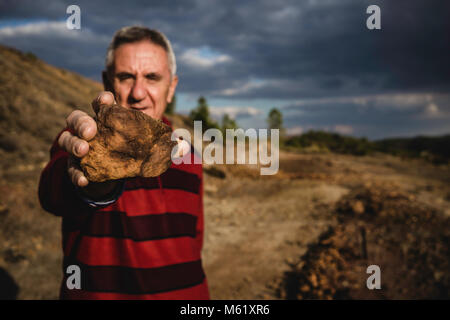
[
  {"x": 153, "y": 75},
  {"x": 124, "y": 74}
]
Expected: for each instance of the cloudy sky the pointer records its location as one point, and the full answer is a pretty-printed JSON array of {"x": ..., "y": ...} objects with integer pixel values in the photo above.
[{"x": 315, "y": 60}]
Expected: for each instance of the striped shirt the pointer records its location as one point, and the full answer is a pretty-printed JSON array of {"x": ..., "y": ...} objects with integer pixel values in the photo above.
[{"x": 145, "y": 245}]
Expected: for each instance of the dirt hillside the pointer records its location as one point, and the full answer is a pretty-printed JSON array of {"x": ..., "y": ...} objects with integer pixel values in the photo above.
[
  {"x": 311, "y": 231},
  {"x": 35, "y": 99},
  {"x": 308, "y": 232}
]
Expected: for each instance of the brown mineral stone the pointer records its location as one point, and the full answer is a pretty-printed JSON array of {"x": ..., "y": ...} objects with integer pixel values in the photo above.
[
  {"x": 128, "y": 144},
  {"x": 358, "y": 207}
]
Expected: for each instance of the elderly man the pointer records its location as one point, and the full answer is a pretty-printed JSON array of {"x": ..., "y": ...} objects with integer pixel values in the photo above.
[{"x": 134, "y": 239}]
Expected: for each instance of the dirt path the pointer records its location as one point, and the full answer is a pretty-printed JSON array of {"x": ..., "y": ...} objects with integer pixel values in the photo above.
[{"x": 257, "y": 229}]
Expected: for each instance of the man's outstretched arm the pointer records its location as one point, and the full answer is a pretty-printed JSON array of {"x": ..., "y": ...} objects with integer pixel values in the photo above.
[{"x": 63, "y": 186}]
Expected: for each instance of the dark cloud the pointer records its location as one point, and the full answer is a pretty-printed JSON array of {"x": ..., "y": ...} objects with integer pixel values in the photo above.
[
  {"x": 270, "y": 49},
  {"x": 13, "y": 9},
  {"x": 321, "y": 44}
]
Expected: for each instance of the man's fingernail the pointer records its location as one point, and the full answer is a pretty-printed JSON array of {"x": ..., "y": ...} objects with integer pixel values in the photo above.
[
  {"x": 99, "y": 99},
  {"x": 85, "y": 130},
  {"x": 82, "y": 181}
]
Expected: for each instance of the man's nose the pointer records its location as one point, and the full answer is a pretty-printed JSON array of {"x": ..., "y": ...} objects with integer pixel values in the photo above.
[{"x": 138, "y": 90}]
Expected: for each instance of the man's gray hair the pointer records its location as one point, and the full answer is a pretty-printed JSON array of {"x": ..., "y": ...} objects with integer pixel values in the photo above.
[{"x": 135, "y": 34}]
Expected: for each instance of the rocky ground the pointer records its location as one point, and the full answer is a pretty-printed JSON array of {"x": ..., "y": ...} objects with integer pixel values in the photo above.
[
  {"x": 311, "y": 231},
  {"x": 308, "y": 232}
]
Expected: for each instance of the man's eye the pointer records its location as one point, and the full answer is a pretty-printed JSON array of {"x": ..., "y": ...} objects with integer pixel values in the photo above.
[
  {"x": 123, "y": 77},
  {"x": 152, "y": 76}
]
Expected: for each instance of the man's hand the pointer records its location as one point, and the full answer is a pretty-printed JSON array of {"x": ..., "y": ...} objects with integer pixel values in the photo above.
[{"x": 85, "y": 129}]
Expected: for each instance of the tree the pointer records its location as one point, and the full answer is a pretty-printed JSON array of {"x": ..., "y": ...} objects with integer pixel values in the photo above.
[
  {"x": 170, "y": 109},
  {"x": 228, "y": 123},
  {"x": 275, "y": 119},
  {"x": 201, "y": 113}
]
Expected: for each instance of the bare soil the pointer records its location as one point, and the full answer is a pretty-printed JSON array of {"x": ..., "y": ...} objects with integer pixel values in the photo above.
[{"x": 294, "y": 235}]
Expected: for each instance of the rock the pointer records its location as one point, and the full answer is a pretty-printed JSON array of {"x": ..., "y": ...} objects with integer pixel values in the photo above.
[
  {"x": 267, "y": 296},
  {"x": 3, "y": 210},
  {"x": 358, "y": 207},
  {"x": 290, "y": 261},
  {"x": 128, "y": 144},
  {"x": 214, "y": 172},
  {"x": 210, "y": 188},
  {"x": 305, "y": 288},
  {"x": 438, "y": 275},
  {"x": 313, "y": 280}
]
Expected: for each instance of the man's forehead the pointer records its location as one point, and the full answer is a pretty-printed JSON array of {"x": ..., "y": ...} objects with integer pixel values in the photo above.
[{"x": 138, "y": 55}]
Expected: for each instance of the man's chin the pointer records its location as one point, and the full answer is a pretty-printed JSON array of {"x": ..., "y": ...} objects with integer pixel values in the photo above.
[{"x": 150, "y": 112}]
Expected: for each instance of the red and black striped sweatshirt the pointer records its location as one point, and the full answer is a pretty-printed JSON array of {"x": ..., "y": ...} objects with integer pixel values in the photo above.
[{"x": 145, "y": 245}]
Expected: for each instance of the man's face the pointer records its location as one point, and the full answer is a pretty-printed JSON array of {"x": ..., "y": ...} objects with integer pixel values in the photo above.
[{"x": 142, "y": 78}]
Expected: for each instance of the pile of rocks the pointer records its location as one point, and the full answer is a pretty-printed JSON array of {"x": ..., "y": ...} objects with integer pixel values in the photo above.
[{"x": 383, "y": 226}]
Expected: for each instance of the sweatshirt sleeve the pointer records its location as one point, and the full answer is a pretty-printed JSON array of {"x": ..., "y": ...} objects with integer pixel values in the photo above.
[{"x": 57, "y": 194}]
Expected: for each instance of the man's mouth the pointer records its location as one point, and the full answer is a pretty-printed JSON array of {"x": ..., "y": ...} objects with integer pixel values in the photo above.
[{"x": 140, "y": 108}]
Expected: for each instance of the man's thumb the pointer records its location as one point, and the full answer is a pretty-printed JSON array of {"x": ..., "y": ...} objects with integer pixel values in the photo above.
[{"x": 104, "y": 98}]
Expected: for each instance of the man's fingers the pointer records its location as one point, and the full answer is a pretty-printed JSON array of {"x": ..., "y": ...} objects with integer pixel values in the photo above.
[
  {"x": 73, "y": 117},
  {"x": 85, "y": 129},
  {"x": 76, "y": 175},
  {"x": 64, "y": 139},
  {"x": 84, "y": 126},
  {"x": 72, "y": 144},
  {"x": 106, "y": 97}
]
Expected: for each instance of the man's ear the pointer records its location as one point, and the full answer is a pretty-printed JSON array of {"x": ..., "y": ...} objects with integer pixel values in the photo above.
[{"x": 106, "y": 82}]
